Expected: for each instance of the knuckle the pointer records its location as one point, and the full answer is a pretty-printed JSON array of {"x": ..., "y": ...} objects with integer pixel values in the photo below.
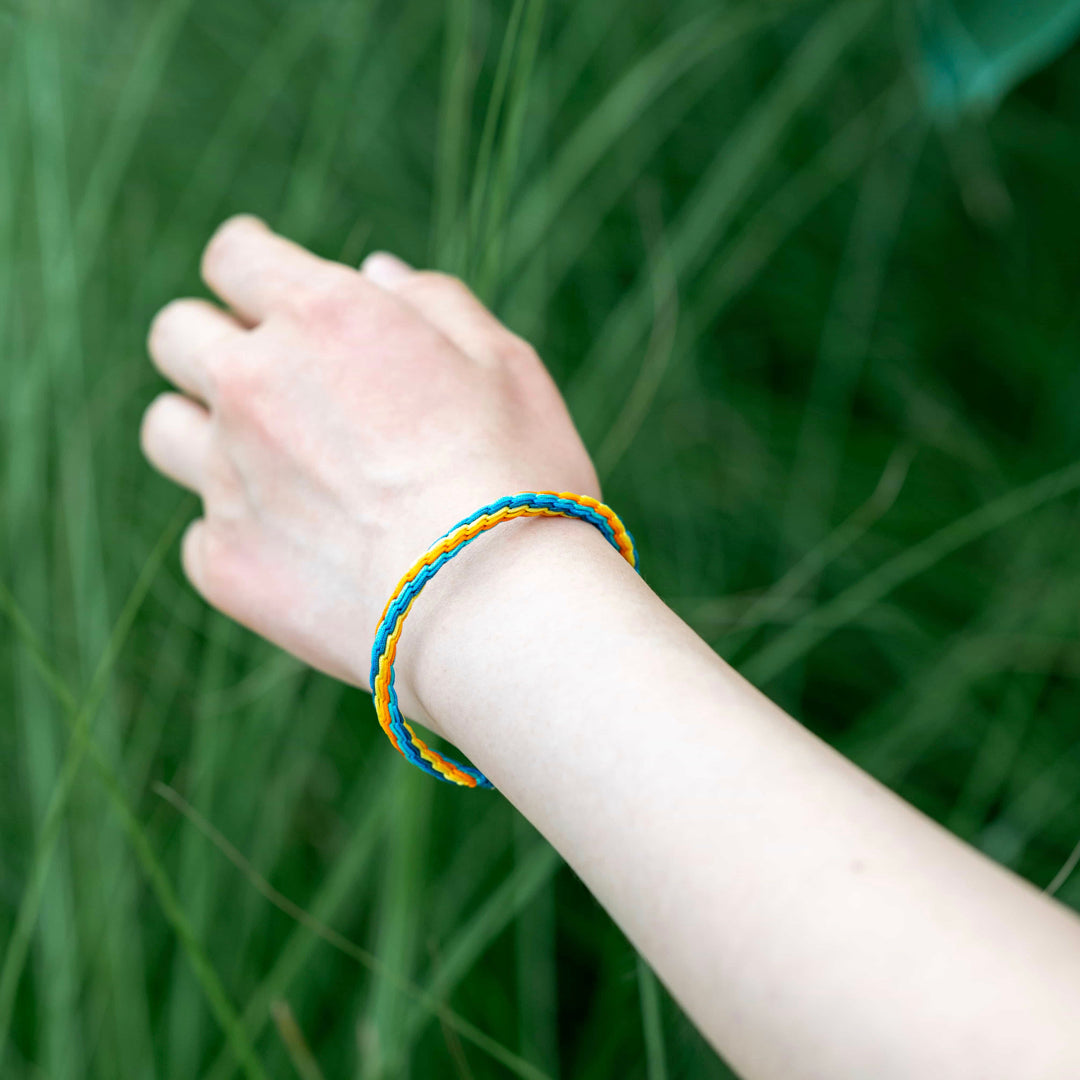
[
  {"x": 247, "y": 391},
  {"x": 516, "y": 353},
  {"x": 328, "y": 304},
  {"x": 224, "y": 488},
  {"x": 236, "y": 379},
  {"x": 313, "y": 306}
]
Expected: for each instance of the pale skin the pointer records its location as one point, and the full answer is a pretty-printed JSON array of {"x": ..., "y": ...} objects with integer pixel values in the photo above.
[{"x": 335, "y": 422}]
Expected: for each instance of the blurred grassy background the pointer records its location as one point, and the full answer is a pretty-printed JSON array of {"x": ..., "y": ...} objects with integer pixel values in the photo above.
[{"x": 824, "y": 349}]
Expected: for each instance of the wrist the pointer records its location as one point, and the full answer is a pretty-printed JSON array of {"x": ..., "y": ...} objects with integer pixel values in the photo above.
[{"x": 476, "y": 612}]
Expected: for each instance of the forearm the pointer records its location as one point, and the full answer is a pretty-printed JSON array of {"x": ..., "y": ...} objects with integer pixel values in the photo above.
[
  {"x": 811, "y": 922},
  {"x": 333, "y": 422}
]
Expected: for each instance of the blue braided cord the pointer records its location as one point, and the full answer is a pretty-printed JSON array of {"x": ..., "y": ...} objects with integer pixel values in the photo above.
[
  {"x": 409, "y": 593},
  {"x": 549, "y": 502},
  {"x": 397, "y": 720},
  {"x": 565, "y": 507}
]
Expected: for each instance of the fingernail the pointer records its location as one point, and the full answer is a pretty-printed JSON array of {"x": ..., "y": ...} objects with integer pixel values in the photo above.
[{"x": 385, "y": 269}]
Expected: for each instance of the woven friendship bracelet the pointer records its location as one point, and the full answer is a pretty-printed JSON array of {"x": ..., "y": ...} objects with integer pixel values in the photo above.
[{"x": 451, "y": 543}]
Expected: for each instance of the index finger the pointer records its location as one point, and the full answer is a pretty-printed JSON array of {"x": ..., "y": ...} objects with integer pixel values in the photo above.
[{"x": 256, "y": 271}]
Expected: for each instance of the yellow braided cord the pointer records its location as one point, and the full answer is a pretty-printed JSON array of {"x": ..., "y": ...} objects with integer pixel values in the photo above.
[{"x": 392, "y": 621}]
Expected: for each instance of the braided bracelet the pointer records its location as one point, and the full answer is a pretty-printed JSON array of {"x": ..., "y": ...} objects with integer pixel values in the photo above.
[{"x": 529, "y": 503}]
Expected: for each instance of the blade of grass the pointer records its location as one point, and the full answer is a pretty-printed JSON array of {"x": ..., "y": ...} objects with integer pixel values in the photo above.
[
  {"x": 59, "y": 1023},
  {"x": 129, "y": 111},
  {"x": 875, "y": 586},
  {"x": 935, "y": 416},
  {"x": 384, "y": 1049},
  {"x": 459, "y": 884},
  {"x": 423, "y": 997},
  {"x": 1065, "y": 872},
  {"x": 989, "y": 771},
  {"x": 344, "y": 884},
  {"x": 12, "y": 143},
  {"x": 389, "y": 72},
  {"x": 973, "y": 159},
  {"x": 483, "y": 168},
  {"x": 326, "y": 117},
  {"x": 199, "y": 201},
  {"x": 280, "y": 669},
  {"x": 589, "y": 26},
  {"x": 108, "y": 904},
  {"x": 536, "y": 964},
  {"x": 585, "y": 29},
  {"x": 498, "y": 910},
  {"x": 300, "y": 719},
  {"x": 658, "y": 351},
  {"x": 455, "y": 99},
  {"x": 742, "y": 258},
  {"x": 303, "y": 1060},
  {"x": 505, "y": 171},
  {"x": 1040, "y": 792},
  {"x": 889, "y": 745},
  {"x": 846, "y": 338},
  {"x": 163, "y": 686},
  {"x": 220, "y": 1006},
  {"x": 143, "y": 849},
  {"x": 720, "y": 193},
  {"x": 211, "y": 764},
  {"x": 580, "y": 219},
  {"x": 618, "y": 113},
  {"x": 810, "y": 567},
  {"x": 82, "y": 720},
  {"x": 652, "y": 1023}
]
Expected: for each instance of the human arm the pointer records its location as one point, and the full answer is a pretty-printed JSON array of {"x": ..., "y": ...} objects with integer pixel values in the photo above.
[{"x": 809, "y": 921}]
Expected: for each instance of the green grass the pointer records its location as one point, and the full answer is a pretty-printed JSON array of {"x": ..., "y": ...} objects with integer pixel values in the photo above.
[{"x": 826, "y": 355}]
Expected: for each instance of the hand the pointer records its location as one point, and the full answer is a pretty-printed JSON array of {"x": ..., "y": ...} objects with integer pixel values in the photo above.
[{"x": 335, "y": 422}]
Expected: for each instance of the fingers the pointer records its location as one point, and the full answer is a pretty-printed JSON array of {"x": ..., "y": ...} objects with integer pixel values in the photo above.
[
  {"x": 255, "y": 271},
  {"x": 182, "y": 337},
  {"x": 192, "y": 554},
  {"x": 176, "y": 438},
  {"x": 447, "y": 304},
  {"x": 226, "y": 575}
]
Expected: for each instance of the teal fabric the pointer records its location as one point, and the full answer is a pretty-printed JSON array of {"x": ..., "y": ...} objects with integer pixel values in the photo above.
[{"x": 972, "y": 52}]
